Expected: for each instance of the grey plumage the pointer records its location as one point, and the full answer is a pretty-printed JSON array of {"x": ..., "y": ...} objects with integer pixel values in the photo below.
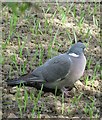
[{"x": 60, "y": 71}]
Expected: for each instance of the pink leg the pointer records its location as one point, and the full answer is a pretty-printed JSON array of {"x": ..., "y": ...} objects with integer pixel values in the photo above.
[{"x": 66, "y": 92}]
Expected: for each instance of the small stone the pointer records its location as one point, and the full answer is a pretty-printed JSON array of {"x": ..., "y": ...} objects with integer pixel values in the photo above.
[
  {"x": 96, "y": 84},
  {"x": 9, "y": 96},
  {"x": 13, "y": 90},
  {"x": 73, "y": 90},
  {"x": 6, "y": 68},
  {"x": 12, "y": 115},
  {"x": 58, "y": 106},
  {"x": 0, "y": 114},
  {"x": 45, "y": 116}
]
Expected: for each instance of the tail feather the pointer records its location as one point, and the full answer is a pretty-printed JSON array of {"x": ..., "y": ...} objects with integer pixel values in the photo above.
[
  {"x": 25, "y": 79},
  {"x": 14, "y": 82}
]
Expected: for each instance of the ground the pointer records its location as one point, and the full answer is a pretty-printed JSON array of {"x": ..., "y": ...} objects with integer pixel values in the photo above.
[{"x": 39, "y": 33}]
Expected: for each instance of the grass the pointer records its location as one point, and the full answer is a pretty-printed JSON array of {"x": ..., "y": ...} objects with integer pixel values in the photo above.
[
  {"x": 76, "y": 99},
  {"x": 43, "y": 27},
  {"x": 23, "y": 101},
  {"x": 63, "y": 106},
  {"x": 89, "y": 108},
  {"x": 13, "y": 23},
  {"x": 36, "y": 107}
]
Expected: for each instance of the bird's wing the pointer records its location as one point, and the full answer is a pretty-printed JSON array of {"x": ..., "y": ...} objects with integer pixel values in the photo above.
[{"x": 56, "y": 68}]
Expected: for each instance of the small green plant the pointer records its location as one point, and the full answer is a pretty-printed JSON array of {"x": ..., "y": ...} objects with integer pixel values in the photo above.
[
  {"x": 97, "y": 67},
  {"x": 19, "y": 101},
  {"x": 51, "y": 44},
  {"x": 41, "y": 54},
  {"x": 74, "y": 11},
  {"x": 95, "y": 21},
  {"x": 35, "y": 101},
  {"x": 89, "y": 109},
  {"x": 36, "y": 26},
  {"x": 13, "y": 23},
  {"x": 69, "y": 8},
  {"x": 75, "y": 36},
  {"x": 1, "y": 59},
  {"x": 87, "y": 80},
  {"x": 63, "y": 107},
  {"x": 87, "y": 33},
  {"x": 21, "y": 47},
  {"x": 23, "y": 68},
  {"x": 69, "y": 35},
  {"x": 76, "y": 99},
  {"x": 80, "y": 22},
  {"x": 34, "y": 57},
  {"x": 25, "y": 99},
  {"x": 18, "y": 8},
  {"x": 14, "y": 60},
  {"x": 69, "y": 110},
  {"x": 89, "y": 62}
]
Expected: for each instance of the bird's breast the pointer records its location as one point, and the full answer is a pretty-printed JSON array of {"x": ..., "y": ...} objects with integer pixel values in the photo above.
[{"x": 77, "y": 67}]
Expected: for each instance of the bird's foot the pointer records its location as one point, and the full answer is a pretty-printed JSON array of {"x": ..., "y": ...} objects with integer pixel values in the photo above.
[{"x": 66, "y": 92}]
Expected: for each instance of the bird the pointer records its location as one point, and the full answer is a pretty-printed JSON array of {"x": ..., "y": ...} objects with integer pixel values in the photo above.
[{"x": 61, "y": 71}]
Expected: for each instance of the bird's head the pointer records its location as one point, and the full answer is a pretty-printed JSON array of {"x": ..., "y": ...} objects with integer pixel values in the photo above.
[{"x": 77, "y": 48}]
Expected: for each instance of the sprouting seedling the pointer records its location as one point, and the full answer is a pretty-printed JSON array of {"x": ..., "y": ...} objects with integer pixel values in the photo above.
[
  {"x": 63, "y": 15},
  {"x": 24, "y": 67},
  {"x": 14, "y": 60},
  {"x": 76, "y": 99},
  {"x": 25, "y": 98},
  {"x": 95, "y": 21},
  {"x": 52, "y": 42},
  {"x": 88, "y": 33},
  {"x": 19, "y": 41},
  {"x": 95, "y": 8},
  {"x": 63, "y": 103},
  {"x": 13, "y": 22},
  {"x": 54, "y": 14},
  {"x": 86, "y": 80},
  {"x": 69, "y": 36},
  {"x": 97, "y": 67},
  {"x": 74, "y": 12},
  {"x": 89, "y": 109},
  {"x": 34, "y": 57},
  {"x": 19, "y": 101},
  {"x": 81, "y": 19},
  {"x": 69, "y": 110},
  {"x": 89, "y": 62},
  {"x": 35, "y": 29},
  {"x": 75, "y": 37},
  {"x": 21, "y": 49},
  {"x": 36, "y": 101},
  {"x": 70, "y": 8},
  {"x": 41, "y": 55}
]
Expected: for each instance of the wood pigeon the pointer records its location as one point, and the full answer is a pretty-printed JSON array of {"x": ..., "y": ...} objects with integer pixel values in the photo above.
[{"x": 60, "y": 71}]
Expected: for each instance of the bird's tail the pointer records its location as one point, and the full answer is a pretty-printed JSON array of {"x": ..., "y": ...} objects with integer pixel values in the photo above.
[{"x": 25, "y": 79}]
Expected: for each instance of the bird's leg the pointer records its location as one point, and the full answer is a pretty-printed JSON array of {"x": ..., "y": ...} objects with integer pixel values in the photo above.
[{"x": 66, "y": 92}]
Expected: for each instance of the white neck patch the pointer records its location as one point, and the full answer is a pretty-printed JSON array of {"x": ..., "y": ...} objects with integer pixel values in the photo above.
[{"x": 73, "y": 54}]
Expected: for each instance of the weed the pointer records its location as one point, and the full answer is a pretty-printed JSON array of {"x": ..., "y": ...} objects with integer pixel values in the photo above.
[
  {"x": 19, "y": 101},
  {"x": 41, "y": 55},
  {"x": 97, "y": 67},
  {"x": 14, "y": 60},
  {"x": 35, "y": 101},
  {"x": 89, "y": 108},
  {"x": 76, "y": 99},
  {"x": 63, "y": 107},
  {"x": 25, "y": 99},
  {"x": 89, "y": 62}
]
